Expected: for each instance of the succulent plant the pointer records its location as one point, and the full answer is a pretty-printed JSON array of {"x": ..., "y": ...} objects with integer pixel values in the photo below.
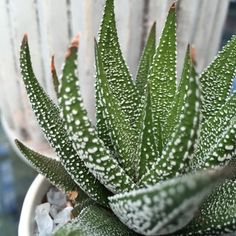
[{"x": 160, "y": 159}]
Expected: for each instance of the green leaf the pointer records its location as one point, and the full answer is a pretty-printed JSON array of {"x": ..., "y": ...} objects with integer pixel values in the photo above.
[
  {"x": 94, "y": 220},
  {"x": 50, "y": 168},
  {"x": 212, "y": 130},
  {"x": 167, "y": 206},
  {"x": 162, "y": 74},
  {"x": 104, "y": 131},
  {"x": 224, "y": 150},
  {"x": 179, "y": 100},
  {"x": 217, "y": 79},
  {"x": 148, "y": 149},
  {"x": 118, "y": 76},
  {"x": 85, "y": 140},
  {"x": 122, "y": 134},
  {"x": 217, "y": 214},
  {"x": 182, "y": 143},
  {"x": 146, "y": 60},
  {"x": 79, "y": 206},
  {"x": 48, "y": 117}
]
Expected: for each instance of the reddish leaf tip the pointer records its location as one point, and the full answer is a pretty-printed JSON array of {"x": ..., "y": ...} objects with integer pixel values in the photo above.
[
  {"x": 25, "y": 38},
  {"x": 173, "y": 6},
  {"x": 74, "y": 45},
  {"x": 75, "y": 41},
  {"x": 193, "y": 54},
  {"x": 53, "y": 64}
]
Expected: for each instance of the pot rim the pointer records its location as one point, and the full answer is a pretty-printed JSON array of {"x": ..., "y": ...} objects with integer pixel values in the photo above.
[{"x": 33, "y": 198}]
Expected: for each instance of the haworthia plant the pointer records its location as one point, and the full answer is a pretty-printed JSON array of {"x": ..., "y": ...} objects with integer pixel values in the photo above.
[{"x": 159, "y": 160}]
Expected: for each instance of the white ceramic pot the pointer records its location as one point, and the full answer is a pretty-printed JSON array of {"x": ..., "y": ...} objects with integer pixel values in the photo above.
[{"x": 33, "y": 198}]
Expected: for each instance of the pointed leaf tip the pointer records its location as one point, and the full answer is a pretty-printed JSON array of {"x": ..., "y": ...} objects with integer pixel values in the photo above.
[
  {"x": 193, "y": 54},
  {"x": 74, "y": 45},
  {"x": 25, "y": 39},
  {"x": 53, "y": 64},
  {"x": 75, "y": 41},
  {"x": 173, "y": 6},
  {"x": 154, "y": 25},
  {"x": 55, "y": 79},
  {"x": 95, "y": 42},
  {"x": 16, "y": 141}
]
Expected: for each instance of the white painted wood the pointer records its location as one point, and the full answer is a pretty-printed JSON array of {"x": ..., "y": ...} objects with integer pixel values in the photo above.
[
  {"x": 134, "y": 42},
  {"x": 9, "y": 70},
  {"x": 216, "y": 30},
  {"x": 157, "y": 12},
  {"x": 14, "y": 102},
  {"x": 51, "y": 24},
  {"x": 206, "y": 35},
  {"x": 186, "y": 20}
]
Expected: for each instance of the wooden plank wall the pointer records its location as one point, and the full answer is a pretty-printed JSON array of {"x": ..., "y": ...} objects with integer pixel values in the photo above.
[{"x": 51, "y": 24}]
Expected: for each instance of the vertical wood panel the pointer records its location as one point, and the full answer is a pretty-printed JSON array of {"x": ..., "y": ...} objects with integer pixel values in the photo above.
[
  {"x": 87, "y": 60},
  {"x": 158, "y": 12},
  {"x": 202, "y": 35},
  {"x": 28, "y": 23},
  {"x": 7, "y": 70},
  {"x": 134, "y": 42},
  {"x": 216, "y": 30},
  {"x": 186, "y": 19},
  {"x": 15, "y": 93},
  {"x": 54, "y": 35},
  {"x": 122, "y": 11}
]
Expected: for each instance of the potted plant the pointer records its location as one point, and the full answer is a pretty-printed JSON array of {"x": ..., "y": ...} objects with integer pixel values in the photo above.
[
  {"x": 34, "y": 196},
  {"x": 161, "y": 157}
]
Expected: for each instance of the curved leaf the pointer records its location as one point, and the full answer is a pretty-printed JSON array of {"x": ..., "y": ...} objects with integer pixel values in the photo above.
[
  {"x": 182, "y": 143},
  {"x": 104, "y": 132},
  {"x": 162, "y": 74},
  {"x": 85, "y": 140},
  {"x": 52, "y": 169},
  {"x": 217, "y": 214},
  {"x": 146, "y": 60},
  {"x": 165, "y": 207},
  {"x": 147, "y": 150},
  {"x": 212, "y": 130},
  {"x": 52, "y": 125},
  {"x": 121, "y": 131},
  {"x": 224, "y": 150},
  {"x": 118, "y": 76},
  {"x": 173, "y": 116},
  {"x": 217, "y": 79}
]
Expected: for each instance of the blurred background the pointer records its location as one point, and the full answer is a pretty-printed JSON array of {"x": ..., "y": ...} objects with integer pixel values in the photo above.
[{"x": 208, "y": 24}]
